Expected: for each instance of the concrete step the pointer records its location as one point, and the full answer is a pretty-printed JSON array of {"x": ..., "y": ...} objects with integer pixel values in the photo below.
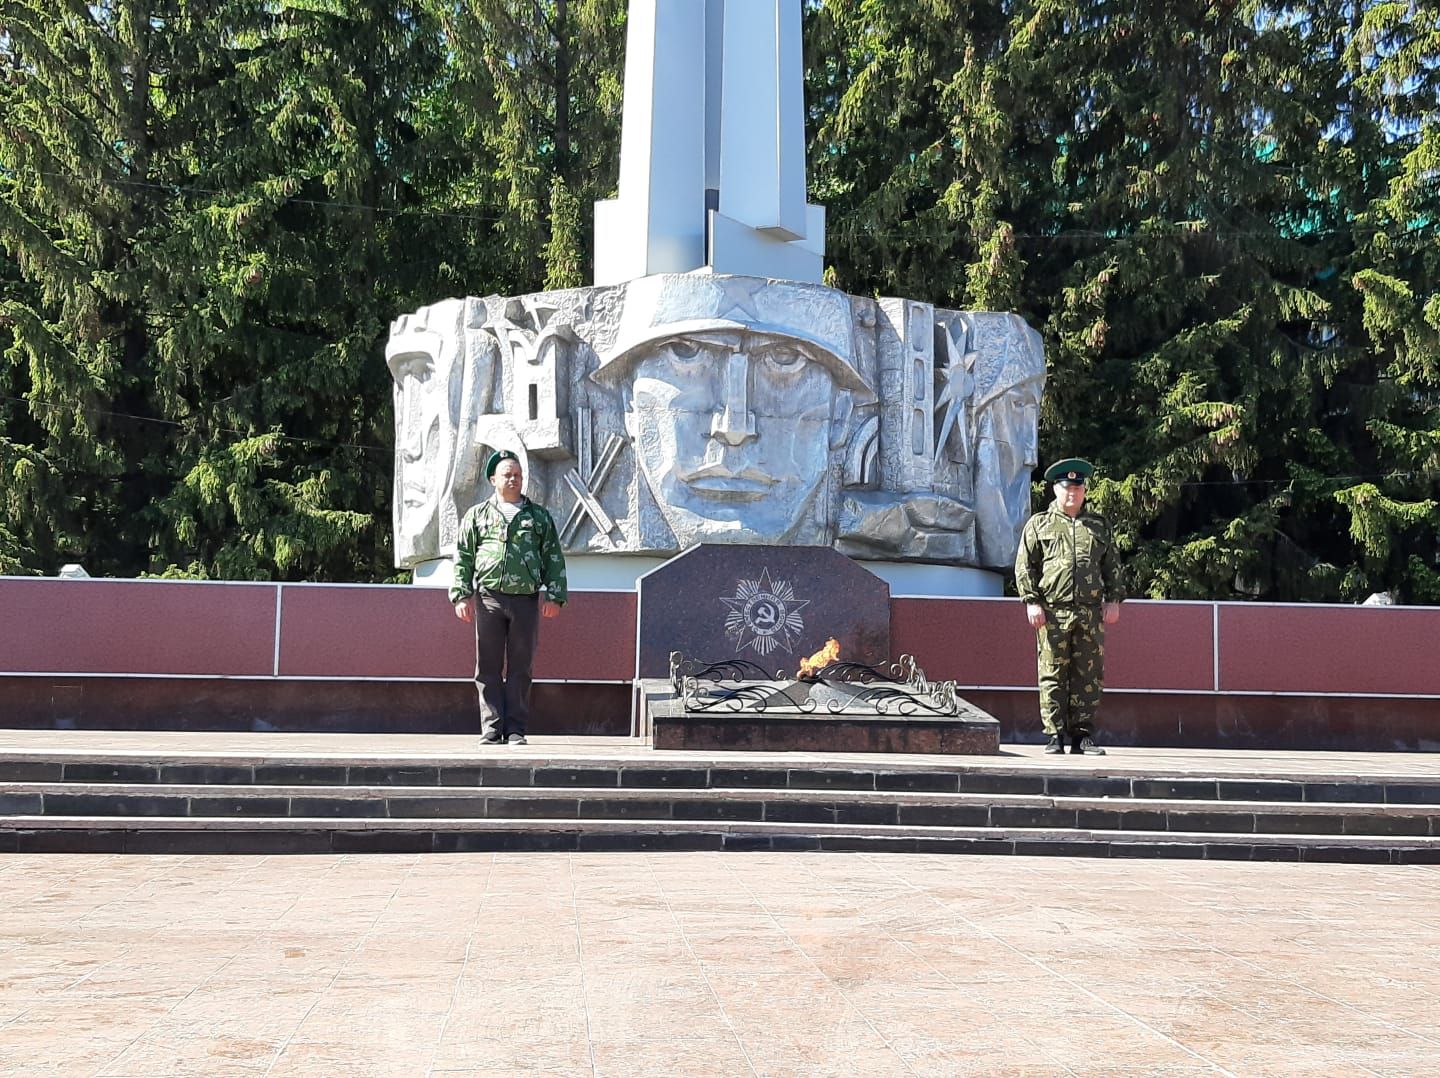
[
  {"x": 203, "y": 835},
  {"x": 794, "y": 806},
  {"x": 509, "y": 769},
  {"x": 315, "y": 799}
]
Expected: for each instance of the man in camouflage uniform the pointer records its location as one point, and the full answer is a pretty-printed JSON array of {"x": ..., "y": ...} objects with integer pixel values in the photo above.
[
  {"x": 1068, "y": 573},
  {"x": 508, "y": 550}
]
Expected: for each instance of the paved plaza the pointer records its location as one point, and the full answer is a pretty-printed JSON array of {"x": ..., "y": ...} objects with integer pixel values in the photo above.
[{"x": 714, "y": 964}]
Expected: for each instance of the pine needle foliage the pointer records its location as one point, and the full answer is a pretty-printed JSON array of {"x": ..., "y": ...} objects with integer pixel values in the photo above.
[{"x": 1222, "y": 216}]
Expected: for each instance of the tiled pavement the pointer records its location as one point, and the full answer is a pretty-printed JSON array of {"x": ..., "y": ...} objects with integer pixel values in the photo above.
[{"x": 714, "y": 964}]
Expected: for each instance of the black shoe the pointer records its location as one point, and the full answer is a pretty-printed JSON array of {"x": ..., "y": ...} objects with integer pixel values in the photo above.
[
  {"x": 1055, "y": 747},
  {"x": 1088, "y": 747},
  {"x": 517, "y": 739},
  {"x": 492, "y": 739}
]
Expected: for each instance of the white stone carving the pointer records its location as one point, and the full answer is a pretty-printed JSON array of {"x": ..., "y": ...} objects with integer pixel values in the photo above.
[
  {"x": 444, "y": 373},
  {"x": 686, "y": 408},
  {"x": 709, "y": 388}
]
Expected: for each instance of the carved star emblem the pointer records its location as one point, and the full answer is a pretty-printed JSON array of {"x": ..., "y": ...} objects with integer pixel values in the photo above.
[
  {"x": 764, "y": 615},
  {"x": 739, "y": 294},
  {"x": 955, "y": 399}
]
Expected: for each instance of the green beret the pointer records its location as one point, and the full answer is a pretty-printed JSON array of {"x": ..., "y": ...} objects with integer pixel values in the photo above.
[
  {"x": 1069, "y": 468},
  {"x": 495, "y": 459}
]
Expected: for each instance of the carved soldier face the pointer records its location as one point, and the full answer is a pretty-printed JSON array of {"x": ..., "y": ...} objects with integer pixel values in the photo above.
[
  {"x": 733, "y": 432},
  {"x": 424, "y": 446},
  {"x": 444, "y": 378}
]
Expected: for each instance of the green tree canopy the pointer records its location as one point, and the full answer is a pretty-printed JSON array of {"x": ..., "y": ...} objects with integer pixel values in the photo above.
[{"x": 1221, "y": 216}]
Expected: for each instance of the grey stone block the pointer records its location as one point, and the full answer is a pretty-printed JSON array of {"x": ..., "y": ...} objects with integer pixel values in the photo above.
[
  {"x": 667, "y": 777},
  {"x": 927, "y": 781},
  {"x": 746, "y": 777},
  {"x": 814, "y": 779},
  {"x": 577, "y": 776},
  {"x": 719, "y": 810},
  {"x": 336, "y": 806},
  {"x": 393, "y": 775},
  {"x": 532, "y": 808},
  {"x": 944, "y": 815},
  {"x": 605, "y": 808},
  {"x": 1031, "y": 816},
  {"x": 1000, "y": 782}
]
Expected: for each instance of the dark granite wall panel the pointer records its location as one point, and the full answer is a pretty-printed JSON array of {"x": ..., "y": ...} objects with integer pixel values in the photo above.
[
  {"x": 593, "y": 639},
  {"x": 1205, "y": 720},
  {"x": 319, "y": 706},
  {"x": 136, "y": 626},
  {"x": 337, "y": 631},
  {"x": 972, "y": 641}
]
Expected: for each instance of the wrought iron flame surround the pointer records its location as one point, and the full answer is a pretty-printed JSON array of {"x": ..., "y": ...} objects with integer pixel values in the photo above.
[{"x": 737, "y": 685}]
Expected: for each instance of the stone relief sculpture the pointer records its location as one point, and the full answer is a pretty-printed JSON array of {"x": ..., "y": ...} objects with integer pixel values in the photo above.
[
  {"x": 736, "y": 395},
  {"x": 685, "y": 408},
  {"x": 708, "y": 388},
  {"x": 444, "y": 378}
]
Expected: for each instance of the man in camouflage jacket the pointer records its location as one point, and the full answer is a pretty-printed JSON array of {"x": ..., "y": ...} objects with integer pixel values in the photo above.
[
  {"x": 1068, "y": 574},
  {"x": 508, "y": 550}
]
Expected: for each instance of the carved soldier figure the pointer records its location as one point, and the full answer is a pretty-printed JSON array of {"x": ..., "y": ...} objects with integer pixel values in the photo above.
[
  {"x": 444, "y": 372},
  {"x": 737, "y": 393},
  {"x": 1009, "y": 380}
]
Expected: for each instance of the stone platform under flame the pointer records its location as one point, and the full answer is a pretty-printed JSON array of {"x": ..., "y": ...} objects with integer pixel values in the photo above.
[{"x": 843, "y": 707}]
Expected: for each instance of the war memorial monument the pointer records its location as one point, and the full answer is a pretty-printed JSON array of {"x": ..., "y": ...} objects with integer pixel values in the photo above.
[
  {"x": 709, "y": 388},
  {"x": 745, "y": 462}
]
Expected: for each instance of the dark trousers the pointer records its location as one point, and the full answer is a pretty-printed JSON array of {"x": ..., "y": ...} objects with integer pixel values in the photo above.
[{"x": 507, "y": 627}]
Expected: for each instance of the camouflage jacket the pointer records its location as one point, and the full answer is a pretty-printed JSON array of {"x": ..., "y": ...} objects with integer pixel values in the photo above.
[
  {"x": 517, "y": 558},
  {"x": 1068, "y": 561}
]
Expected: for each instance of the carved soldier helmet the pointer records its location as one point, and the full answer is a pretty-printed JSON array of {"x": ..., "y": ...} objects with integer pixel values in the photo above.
[
  {"x": 818, "y": 318},
  {"x": 1009, "y": 353}
]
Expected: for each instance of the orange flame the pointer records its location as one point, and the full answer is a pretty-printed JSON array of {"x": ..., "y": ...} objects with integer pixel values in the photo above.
[{"x": 821, "y": 659}]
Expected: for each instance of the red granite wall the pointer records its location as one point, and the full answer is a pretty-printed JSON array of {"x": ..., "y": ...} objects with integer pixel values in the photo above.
[
  {"x": 164, "y": 627},
  {"x": 1218, "y": 667}
]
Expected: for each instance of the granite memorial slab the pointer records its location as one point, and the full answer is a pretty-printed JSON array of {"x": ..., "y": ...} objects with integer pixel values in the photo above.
[{"x": 771, "y": 605}]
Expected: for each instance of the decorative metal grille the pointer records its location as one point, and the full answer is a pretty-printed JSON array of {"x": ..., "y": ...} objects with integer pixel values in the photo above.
[{"x": 737, "y": 686}]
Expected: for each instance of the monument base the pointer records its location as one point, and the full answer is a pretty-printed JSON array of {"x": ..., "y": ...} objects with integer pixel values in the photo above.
[
  {"x": 668, "y": 725},
  {"x": 619, "y": 572}
]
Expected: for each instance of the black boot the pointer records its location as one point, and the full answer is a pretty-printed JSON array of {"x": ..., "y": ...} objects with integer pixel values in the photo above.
[{"x": 1055, "y": 746}]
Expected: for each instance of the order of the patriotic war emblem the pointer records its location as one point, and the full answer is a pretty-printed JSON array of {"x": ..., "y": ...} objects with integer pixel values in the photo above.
[{"x": 764, "y": 615}]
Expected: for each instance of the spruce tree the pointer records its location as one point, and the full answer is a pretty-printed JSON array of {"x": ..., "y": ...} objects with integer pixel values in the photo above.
[
  {"x": 80, "y": 157},
  {"x": 537, "y": 91},
  {"x": 300, "y": 231},
  {"x": 1196, "y": 203}
]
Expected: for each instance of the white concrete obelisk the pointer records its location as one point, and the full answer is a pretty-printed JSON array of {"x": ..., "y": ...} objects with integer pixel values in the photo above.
[{"x": 712, "y": 168}]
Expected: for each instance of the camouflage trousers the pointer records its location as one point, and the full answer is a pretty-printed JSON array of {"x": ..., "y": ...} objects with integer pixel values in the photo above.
[{"x": 1071, "y": 646}]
